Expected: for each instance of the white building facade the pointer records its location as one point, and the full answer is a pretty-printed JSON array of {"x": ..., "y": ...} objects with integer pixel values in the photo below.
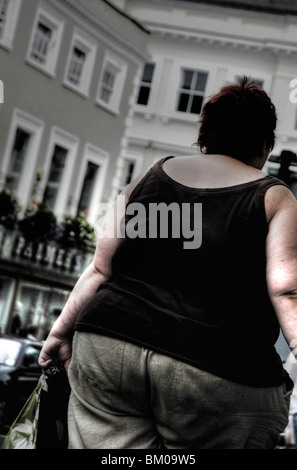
[
  {"x": 196, "y": 47},
  {"x": 69, "y": 71}
]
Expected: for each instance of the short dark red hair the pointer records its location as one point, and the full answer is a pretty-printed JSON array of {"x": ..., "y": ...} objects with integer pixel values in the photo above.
[{"x": 238, "y": 121}]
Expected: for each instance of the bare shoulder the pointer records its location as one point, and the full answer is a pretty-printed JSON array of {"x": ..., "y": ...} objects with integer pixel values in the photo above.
[
  {"x": 279, "y": 199},
  {"x": 132, "y": 185}
]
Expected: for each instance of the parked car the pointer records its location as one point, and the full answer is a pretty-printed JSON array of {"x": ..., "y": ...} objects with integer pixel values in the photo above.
[{"x": 19, "y": 374}]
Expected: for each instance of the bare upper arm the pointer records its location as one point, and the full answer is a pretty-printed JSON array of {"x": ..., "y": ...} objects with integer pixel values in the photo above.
[
  {"x": 281, "y": 243},
  {"x": 109, "y": 235}
]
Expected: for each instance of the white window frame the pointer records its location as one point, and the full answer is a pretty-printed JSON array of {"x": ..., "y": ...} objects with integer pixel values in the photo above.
[
  {"x": 70, "y": 142},
  {"x": 119, "y": 67},
  {"x": 144, "y": 84},
  {"x": 259, "y": 81},
  {"x": 56, "y": 25},
  {"x": 79, "y": 64},
  {"x": 233, "y": 74},
  {"x": 169, "y": 106},
  {"x": 191, "y": 92},
  {"x": 9, "y": 27},
  {"x": 121, "y": 174},
  {"x": 34, "y": 127},
  {"x": 101, "y": 158},
  {"x": 124, "y": 171},
  {"x": 89, "y": 47},
  {"x": 158, "y": 87}
]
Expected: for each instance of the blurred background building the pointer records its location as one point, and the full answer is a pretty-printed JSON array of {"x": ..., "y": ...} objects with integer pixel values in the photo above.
[
  {"x": 96, "y": 91},
  {"x": 196, "y": 47},
  {"x": 70, "y": 70}
]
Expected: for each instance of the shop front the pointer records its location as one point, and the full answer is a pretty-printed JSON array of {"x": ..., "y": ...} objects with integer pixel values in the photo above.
[{"x": 35, "y": 282}]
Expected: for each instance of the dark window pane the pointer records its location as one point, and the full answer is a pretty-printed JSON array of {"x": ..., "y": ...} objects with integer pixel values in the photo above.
[
  {"x": 44, "y": 30},
  {"x": 79, "y": 54},
  {"x": 143, "y": 95},
  {"x": 17, "y": 159},
  {"x": 88, "y": 187},
  {"x": 238, "y": 79},
  {"x": 148, "y": 73},
  {"x": 108, "y": 78},
  {"x": 187, "y": 79},
  {"x": 196, "y": 104},
  {"x": 129, "y": 174},
  {"x": 55, "y": 176},
  {"x": 41, "y": 42},
  {"x": 201, "y": 81},
  {"x": 183, "y": 102},
  {"x": 259, "y": 82}
]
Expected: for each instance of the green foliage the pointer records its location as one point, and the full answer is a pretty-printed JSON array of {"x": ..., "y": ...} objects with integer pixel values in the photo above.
[
  {"x": 76, "y": 231},
  {"x": 9, "y": 209},
  {"x": 39, "y": 223}
]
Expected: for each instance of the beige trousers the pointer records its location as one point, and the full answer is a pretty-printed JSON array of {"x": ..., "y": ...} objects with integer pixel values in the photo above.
[{"x": 128, "y": 397}]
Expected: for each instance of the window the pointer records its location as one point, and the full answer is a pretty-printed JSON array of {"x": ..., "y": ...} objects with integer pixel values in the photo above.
[
  {"x": 258, "y": 81},
  {"x": 87, "y": 194},
  {"x": 108, "y": 81},
  {"x": 45, "y": 41},
  {"x": 17, "y": 160},
  {"x": 56, "y": 184},
  {"x": 18, "y": 163},
  {"x": 111, "y": 83},
  {"x": 80, "y": 63},
  {"x": 146, "y": 83},
  {"x": 76, "y": 65},
  {"x": 41, "y": 43},
  {"x": 191, "y": 91},
  {"x": 88, "y": 187},
  {"x": 39, "y": 305},
  {"x": 55, "y": 176},
  {"x": 127, "y": 172},
  {"x": 9, "y": 12},
  {"x": 3, "y": 15},
  {"x": 31, "y": 356},
  {"x": 129, "y": 169}
]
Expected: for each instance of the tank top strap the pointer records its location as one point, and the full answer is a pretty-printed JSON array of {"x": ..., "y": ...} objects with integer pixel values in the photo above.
[
  {"x": 263, "y": 186},
  {"x": 268, "y": 182}
]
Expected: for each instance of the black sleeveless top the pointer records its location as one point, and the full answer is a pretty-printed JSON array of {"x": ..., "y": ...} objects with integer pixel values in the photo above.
[{"x": 189, "y": 279}]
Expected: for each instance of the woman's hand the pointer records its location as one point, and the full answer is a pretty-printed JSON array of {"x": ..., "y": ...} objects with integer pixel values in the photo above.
[{"x": 55, "y": 349}]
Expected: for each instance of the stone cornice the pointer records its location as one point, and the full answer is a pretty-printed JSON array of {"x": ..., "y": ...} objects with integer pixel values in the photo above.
[
  {"x": 224, "y": 40},
  {"x": 274, "y": 7},
  {"x": 95, "y": 26}
]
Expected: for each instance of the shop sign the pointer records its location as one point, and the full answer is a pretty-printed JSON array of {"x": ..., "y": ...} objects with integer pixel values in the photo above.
[{"x": 49, "y": 254}]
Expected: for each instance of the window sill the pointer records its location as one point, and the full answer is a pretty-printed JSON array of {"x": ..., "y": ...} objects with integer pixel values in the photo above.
[
  {"x": 41, "y": 68},
  {"x": 148, "y": 114},
  {"x": 5, "y": 44},
  {"x": 181, "y": 117},
  {"x": 76, "y": 89},
  {"x": 114, "y": 111}
]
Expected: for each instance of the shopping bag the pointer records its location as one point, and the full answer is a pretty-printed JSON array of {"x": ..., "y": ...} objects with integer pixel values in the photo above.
[
  {"x": 23, "y": 431},
  {"x": 52, "y": 421},
  {"x": 42, "y": 422}
]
